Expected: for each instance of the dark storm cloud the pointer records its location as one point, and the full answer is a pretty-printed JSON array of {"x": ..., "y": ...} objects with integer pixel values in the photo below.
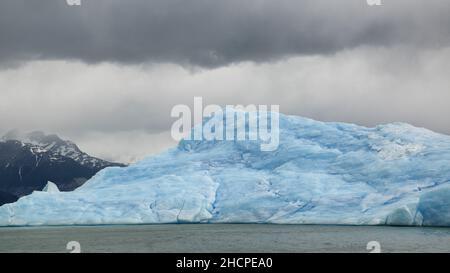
[{"x": 211, "y": 33}]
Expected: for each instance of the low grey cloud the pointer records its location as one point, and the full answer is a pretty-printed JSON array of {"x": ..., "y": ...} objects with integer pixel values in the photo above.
[{"x": 212, "y": 33}]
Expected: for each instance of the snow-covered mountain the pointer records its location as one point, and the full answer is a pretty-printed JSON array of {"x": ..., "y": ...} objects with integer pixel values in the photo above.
[
  {"x": 39, "y": 143},
  {"x": 28, "y": 161},
  {"x": 321, "y": 173}
]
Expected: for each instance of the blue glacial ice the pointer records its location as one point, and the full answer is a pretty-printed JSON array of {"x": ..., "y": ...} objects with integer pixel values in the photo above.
[{"x": 321, "y": 173}]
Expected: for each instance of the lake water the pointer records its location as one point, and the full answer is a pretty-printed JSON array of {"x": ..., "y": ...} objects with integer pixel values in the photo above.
[{"x": 224, "y": 238}]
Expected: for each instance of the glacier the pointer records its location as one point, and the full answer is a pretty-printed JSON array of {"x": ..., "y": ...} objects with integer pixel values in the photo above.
[{"x": 321, "y": 173}]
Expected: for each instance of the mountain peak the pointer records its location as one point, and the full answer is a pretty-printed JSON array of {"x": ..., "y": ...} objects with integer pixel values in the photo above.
[
  {"x": 29, "y": 160},
  {"x": 34, "y": 137},
  {"x": 39, "y": 142}
]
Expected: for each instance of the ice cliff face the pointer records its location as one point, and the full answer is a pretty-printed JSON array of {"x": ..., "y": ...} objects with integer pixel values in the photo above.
[{"x": 321, "y": 173}]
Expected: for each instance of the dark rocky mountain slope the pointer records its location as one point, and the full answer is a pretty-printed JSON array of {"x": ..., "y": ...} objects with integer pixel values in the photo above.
[{"x": 28, "y": 162}]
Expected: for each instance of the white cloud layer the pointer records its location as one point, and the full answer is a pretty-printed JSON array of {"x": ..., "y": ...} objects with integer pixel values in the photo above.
[{"x": 122, "y": 112}]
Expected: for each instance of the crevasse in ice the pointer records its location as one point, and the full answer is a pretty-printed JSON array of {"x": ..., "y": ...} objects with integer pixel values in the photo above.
[{"x": 321, "y": 173}]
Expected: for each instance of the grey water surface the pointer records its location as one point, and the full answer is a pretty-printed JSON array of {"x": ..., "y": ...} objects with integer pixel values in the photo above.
[{"x": 224, "y": 238}]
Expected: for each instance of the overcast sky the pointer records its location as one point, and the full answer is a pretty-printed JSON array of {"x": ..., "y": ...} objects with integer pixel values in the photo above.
[{"x": 107, "y": 73}]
